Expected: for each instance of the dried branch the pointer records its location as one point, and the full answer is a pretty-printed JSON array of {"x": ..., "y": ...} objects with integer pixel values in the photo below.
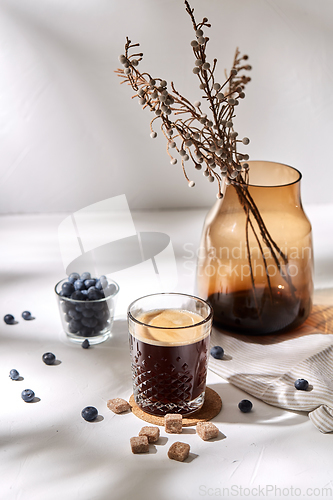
[{"x": 211, "y": 141}]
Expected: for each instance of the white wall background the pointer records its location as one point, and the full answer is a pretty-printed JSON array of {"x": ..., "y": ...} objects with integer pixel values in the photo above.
[{"x": 71, "y": 136}]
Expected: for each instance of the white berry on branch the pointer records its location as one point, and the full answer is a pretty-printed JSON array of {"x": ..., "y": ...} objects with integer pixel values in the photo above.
[{"x": 202, "y": 133}]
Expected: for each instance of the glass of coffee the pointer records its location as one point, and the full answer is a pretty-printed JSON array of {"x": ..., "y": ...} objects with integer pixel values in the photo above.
[{"x": 169, "y": 343}]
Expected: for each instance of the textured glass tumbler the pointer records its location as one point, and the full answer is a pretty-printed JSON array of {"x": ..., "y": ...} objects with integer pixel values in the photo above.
[
  {"x": 99, "y": 313},
  {"x": 169, "y": 360}
]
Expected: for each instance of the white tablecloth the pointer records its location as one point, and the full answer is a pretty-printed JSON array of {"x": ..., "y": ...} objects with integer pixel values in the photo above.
[{"x": 49, "y": 452}]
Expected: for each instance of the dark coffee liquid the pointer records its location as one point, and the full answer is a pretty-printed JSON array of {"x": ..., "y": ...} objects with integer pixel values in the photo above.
[
  {"x": 239, "y": 312},
  {"x": 164, "y": 376}
]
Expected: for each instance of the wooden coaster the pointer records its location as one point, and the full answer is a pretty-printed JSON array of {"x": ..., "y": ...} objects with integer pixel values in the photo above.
[{"x": 211, "y": 407}]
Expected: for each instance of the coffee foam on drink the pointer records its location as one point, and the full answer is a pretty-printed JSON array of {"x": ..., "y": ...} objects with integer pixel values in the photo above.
[{"x": 170, "y": 327}]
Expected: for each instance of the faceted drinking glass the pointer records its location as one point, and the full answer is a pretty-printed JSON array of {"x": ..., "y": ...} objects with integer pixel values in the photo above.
[{"x": 169, "y": 344}]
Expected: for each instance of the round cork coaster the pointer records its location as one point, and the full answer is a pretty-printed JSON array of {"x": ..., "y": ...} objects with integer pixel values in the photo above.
[{"x": 211, "y": 407}]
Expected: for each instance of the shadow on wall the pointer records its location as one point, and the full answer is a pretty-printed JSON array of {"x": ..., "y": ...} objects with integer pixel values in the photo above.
[{"x": 102, "y": 238}]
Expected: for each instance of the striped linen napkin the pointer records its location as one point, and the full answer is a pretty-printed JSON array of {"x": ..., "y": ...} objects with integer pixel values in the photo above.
[{"x": 267, "y": 367}]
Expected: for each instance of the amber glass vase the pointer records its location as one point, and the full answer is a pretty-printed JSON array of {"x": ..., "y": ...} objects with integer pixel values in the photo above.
[{"x": 255, "y": 261}]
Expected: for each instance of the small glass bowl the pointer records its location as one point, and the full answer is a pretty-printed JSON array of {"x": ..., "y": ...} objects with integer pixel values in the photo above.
[{"x": 97, "y": 315}]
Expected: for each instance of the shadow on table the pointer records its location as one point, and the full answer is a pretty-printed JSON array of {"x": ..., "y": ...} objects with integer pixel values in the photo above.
[
  {"x": 65, "y": 448},
  {"x": 319, "y": 321}
]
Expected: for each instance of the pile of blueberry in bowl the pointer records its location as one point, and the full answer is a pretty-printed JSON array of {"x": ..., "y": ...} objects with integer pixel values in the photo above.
[{"x": 86, "y": 306}]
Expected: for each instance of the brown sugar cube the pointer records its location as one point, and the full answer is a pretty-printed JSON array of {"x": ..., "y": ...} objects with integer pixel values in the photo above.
[
  {"x": 152, "y": 433},
  {"x": 139, "y": 444},
  {"x": 207, "y": 430},
  {"x": 118, "y": 405},
  {"x": 173, "y": 423},
  {"x": 179, "y": 451}
]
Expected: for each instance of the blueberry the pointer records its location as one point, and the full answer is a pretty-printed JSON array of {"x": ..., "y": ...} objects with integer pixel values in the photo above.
[
  {"x": 9, "y": 319},
  {"x": 86, "y": 332},
  {"x": 89, "y": 322},
  {"x": 88, "y": 305},
  {"x": 80, "y": 307},
  {"x": 93, "y": 322},
  {"x": 26, "y": 315},
  {"x": 67, "y": 318},
  {"x": 14, "y": 374},
  {"x": 65, "y": 306},
  {"x": 77, "y": 295},
  {"x": 217, "y": 352},
  {"x": 85, "y": 276},
  {"x": 27, "y": 395},
  {"x": 94, "y": 294},
  {"x": 245, "y": 406},
  {"x": 67, "y": 288},
  {"x": 101, "y": 284},
  {"x": 49, "y": 358},
  {"x": 97, "y": 306},
  {"x": 73, "y": 277},
  {"x": 74, "y": 326},
  {"x": 88, "y": 313},
  {"x": 89, "y": 283},
  {"x": 89, "y": 413},
  {"x": 73, "y": 313},
  {"x": 102, "y": 323},
  {"x": 110, "y": 290},
  {"x": 99, "y": 314},
  {"x": 61, "y": 293},
  {"x": 105, "y": 284},
  {"x": 301, "y": 384},
  {"x": 85, "y": 293},
  {"x": 79, "y": 285},
  {"x": 85, "y": 344}
]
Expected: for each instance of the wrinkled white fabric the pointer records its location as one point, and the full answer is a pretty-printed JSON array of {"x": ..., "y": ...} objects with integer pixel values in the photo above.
[{"x": 268, "y": 370}]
